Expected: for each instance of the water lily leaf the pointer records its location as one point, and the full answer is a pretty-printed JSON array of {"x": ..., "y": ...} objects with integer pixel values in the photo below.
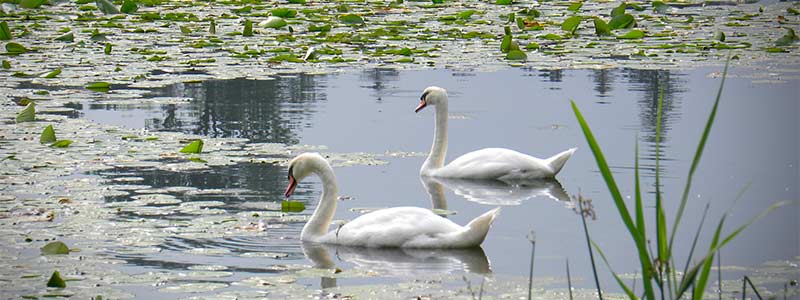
[
  {"x": 619, "y": 10},
  {"x": 504, "y": 2},
  {"x": 52, "y": 74},
  {"x": 621, "y": 21},
  {"x": 31, "y": 3},
  {"x": 56, "y": 281},
  {"x": 48, "y": 136},
  {"x": 793, "y": 11},
  {"x": 571, "y": 24},
  {"x": 465, "y": 15},
  {"x": 552, "y": 37},
  {"x": 99, "y": 86},
  {"x": 248, "y": 28},
  {"x": 129, "y": 7},
  {"x": 273, "y": 22},
  {"x": 351, "y": 19},
  {"x": 516, "y": 55},
  {"x": 284, "y": 12},
  {"x": 532, "y": 46},
  {"x": 632, "y": 35},
  {"x": 6, "y": 64},
  {"x": 5, "y": 33},
  {"x": 660, "y": 7},
  {"x": 106, "y": 7},
  {"x": 323, "y": 28},
  {"x": 15, "y": 48},
  {"x": 61, "y": 144},
  {"x": 56, "y": 247},
  {"x": 195, "y": 146},
  {"x": 107, "y": 48},
  {"x": 719, "y": 36},
  {"x": 197, "y": 160},
  {"x": 28, "y": 114},
  {"x": 601, "y": 28},
  {"x": 574, "y": 7},
  {"x": 69, "y": 37},
  {"x": 292, "y": 206},
  {"x": 505, "y": 45},
  {"x": 788, "y": 38}
]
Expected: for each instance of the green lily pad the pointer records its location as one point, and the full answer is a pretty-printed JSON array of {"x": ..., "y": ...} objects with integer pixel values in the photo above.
[
  {"x": 31, "y": 3},
  {"x": 323, "y": 28},
  {"x": 52, "y": 74},
  {"x": 619, "y": 10},
  {"x": 352, "y": 19},
  {"x": 283, "y": 12},
  {"x": 621, "y": 21},
  {"x": 601, "y": 28},
  {"x": 129, "y": 7},
  {"x": 195, "y": 146},
  {"x": 574, "y": 7},
  {"x": 28, "y": 114},
  {"x": 61, "y": 144},
  {"x": 6, "y": 64},
  {"x": 505, "y": 45},
  {"x": 5, "y": 33},
  {"x": 99, "y": 86},
  {"x": 292, "y": 206},
  {"x": 248, "y": 28},
  {"x": 516, "y": 55},
  {"x": 632, "y": 35},
  {"x": 15, "y": 48},
  {"x": 56, "y": 281},
  {"x": 465, "y": 15},
  {"x": 54, "y": 248},
  {"x": 48, "y": 136},
  {"x": 571, "y": 24},
  {"x": 68, "y": 37}
]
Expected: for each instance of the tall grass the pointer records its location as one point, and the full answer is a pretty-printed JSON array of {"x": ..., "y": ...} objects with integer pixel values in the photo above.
[{"x": 659, "y": 274}]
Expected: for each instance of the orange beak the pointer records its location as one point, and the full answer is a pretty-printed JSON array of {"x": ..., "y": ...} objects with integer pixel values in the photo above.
[
  {"x": 422, "y": 104},
  {"x": 291, "y": 187}
]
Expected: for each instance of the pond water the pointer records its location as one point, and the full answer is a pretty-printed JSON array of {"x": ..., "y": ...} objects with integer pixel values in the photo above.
[{"x": 754, "y": 145}]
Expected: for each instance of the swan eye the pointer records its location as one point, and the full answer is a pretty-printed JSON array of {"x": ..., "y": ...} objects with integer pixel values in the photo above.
[
  {"x": 289, "y": 176},
  {"x": 424, "y": 95}
]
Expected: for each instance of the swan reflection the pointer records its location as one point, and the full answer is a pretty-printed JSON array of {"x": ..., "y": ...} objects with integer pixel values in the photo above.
[
  {"x": 493, "y": 192},
  {"x": 399, "y": 261}
]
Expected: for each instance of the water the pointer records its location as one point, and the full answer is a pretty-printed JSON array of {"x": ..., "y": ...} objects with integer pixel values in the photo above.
[{"x": 753, "y": 144}]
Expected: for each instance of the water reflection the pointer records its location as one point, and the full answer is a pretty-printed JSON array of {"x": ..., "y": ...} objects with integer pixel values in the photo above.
[
  {"x": 493, "y": 192},
  {"x": 603, "y": 82},
  {"x": 378, "y": 78},
  {"x": 400, "y": 261}
]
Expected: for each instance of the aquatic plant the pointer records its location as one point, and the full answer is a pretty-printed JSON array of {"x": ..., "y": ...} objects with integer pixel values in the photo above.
[{"x": 658, "y": 268}]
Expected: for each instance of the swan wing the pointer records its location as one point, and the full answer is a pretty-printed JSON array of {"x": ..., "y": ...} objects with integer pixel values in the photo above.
[
  {"x": 393, "y": 227},
  {"x": 495, "y": 163}
]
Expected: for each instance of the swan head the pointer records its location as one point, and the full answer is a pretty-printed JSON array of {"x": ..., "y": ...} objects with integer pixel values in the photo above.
[
  {"x": 301, "y": 166},
  {"x": 432, "y": 95}
]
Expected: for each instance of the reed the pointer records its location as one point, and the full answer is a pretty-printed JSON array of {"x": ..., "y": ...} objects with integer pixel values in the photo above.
[{"x": 659, "y": 275}]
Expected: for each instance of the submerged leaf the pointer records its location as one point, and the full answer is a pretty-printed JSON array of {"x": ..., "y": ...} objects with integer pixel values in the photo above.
[
  {"x": 107, "y": 7},
  {"x": 56, "y": 247},
  {"x": 292, "y": 206},
  {"x": 28, "y": 114},
  {"x": 787, "y": 39},
  {"x": 56, "y": 281},
  {"x": 195, "y": 146},
  {"x": 5, "y": 33},
  {"x": 48, "y": 136}
]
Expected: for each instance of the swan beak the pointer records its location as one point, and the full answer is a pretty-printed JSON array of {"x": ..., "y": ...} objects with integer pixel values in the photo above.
[
  {"x": 422, "y": 104},
  {"x": 290, "y": 188}
]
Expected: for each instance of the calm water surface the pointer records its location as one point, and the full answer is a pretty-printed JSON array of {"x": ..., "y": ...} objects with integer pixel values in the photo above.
[{"x": 754, "y": 143}]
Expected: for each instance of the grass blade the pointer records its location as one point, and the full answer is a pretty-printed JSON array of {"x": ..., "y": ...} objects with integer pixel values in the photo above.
[
  {"x": 697, "y": 155},
  {"x": 588, "y": 245},
  {"x": 640, "y": 241},
  {"x": 661, "y": 225},
  {"x": 696, "y": 237},
  {"x": 700, "y": 284},
  {"x": 569, "y": 281},
  {"x": 640, "y": 224},
  {"x": 622, "y": 284}
]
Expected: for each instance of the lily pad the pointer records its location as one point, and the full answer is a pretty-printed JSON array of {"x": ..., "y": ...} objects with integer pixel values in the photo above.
[
  {"x": 292, "y": 206},
  {"x": 352, "y": 19},
  {"x": 28, "y": 114},
  {"x": 61, "y": 144},
  {"x": 788, "y": 38},
  {"x": 571, "y": 24},
  {"x": 99, "y": 86},
  {"x": 5, "y": 33},
  {"x": 601, "y": 28},
  {"x": 283, "y": 12},
  {"x": 16, "y": 48},
  {"x": 195, "y": 146},
  {"x": 621, "y": 21},
  {"x": 31, "y": 3},
  {"x": 54, "y": 248},
  {"x": 52, "y": 74},
  {"x": 129, "y": 7},
  {"x": 56, "y": 281},
  {"x": 48, "y": 135},
  {"x": 68, "y": 37},
  {"x": 516, "y": 55},
  {"x": 633, "y": 34}
]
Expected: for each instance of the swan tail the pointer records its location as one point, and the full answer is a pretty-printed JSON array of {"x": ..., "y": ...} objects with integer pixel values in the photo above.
[
  {"x": 479, "y": 227},
  {"x": 556, "y": 162}
]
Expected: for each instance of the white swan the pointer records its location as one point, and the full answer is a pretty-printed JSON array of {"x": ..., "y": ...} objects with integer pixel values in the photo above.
[
  {"x": 489, "y": 163},
  {"x": 408, "y": 227}
]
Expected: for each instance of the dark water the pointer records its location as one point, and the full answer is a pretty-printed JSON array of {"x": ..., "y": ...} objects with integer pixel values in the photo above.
[{"x": 754, "y": 143}]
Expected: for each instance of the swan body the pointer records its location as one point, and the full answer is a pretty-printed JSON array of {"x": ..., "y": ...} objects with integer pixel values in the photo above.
[
  {"x": 490, "y": 163},
  {"x": 406, "y": 227}
]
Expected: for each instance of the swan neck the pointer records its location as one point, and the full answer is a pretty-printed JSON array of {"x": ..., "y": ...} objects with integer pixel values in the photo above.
[
  {"x": 320, "y": 221},
  {"x": 439, "y": 149}
]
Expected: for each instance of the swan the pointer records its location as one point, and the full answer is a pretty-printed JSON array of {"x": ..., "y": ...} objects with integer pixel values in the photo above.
[
  {"x": 490, "y": 163},
  {"x": 407, "y": 227}
]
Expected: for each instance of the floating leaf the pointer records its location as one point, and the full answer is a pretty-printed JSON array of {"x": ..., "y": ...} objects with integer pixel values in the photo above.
[
  {"x": 106, "y": 7},
  {"x": 503, "y": 2},
  {"x": 99, "y": 86},
  {"x": 351, "y": 19},
  {"x": 197, "y": 159},
  {"x": 621, "y": 21},
  {"x": 61, "y": 144},
  {"x": 284, "y": 12},
  {"x": 56, "y": 281},
  {"x": 660, "y": 7},
  {"x": 505, "y": 45},
  {"x": 793, "y": 11},
  {"x": 31, "y": 3},
  {"x": 6, "y": 64},
  {"x": 465, "y": 15},
  {"x": 619, "y": 10},
  {"x": 571, "y": 24},
  {"x": 52, "y": 74},
  {"x": 632, "y": 35},
  {"x": 292, "y": 206},
  {"x": 273, "y": 22},
  {"x": 5, "y": 33},
  {"x": 532, "y": 46},
  {"x": 107, "y": 48},
  {"x": 719, "y": 36},
  {"x": 48, "y": 136},
  {"x": 195, "y": 146},
  {"x": 574, "y": 7},
  {"x": 15, "y": 48},
  {"x": 552, "y": 37},
  {"x": 787, "y": 39},
  {"x": 248, "y": 28},
  {"x": 601, "y": 28},
  {"x": 69, "y": 37},
  {"x": 323, "y": 28},
  {"x": 28, "y": 114},
  {"x": 129, "y": 7},
  {"x": 516, "y": 55},
  {"x": 56, "y": 247}
]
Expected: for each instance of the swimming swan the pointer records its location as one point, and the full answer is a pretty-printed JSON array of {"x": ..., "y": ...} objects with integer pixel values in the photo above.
[
  {"x": 408, "y": 227},
  {"x": 489, "y": 163}
]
